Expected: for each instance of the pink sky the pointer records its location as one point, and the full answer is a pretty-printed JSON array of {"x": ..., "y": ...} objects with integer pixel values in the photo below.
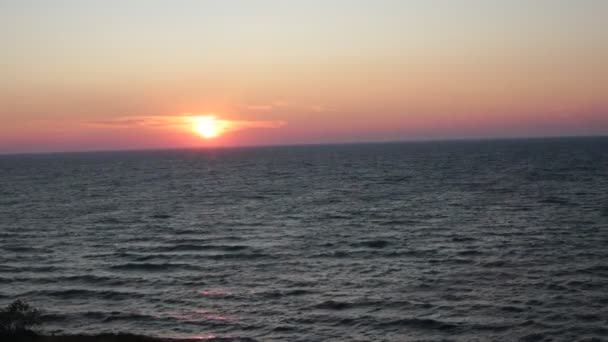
[{"x": 80, "y": 76}]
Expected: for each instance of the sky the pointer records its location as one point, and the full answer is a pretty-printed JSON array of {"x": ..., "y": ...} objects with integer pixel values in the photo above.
[{"x": 98, "y": 75}]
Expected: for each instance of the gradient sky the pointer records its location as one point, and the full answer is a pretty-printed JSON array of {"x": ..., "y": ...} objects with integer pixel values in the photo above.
[{"x": 89, "y": 75}]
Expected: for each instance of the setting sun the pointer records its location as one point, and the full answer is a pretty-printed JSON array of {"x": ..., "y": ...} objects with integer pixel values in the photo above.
[{"x": 206, "y": 126}]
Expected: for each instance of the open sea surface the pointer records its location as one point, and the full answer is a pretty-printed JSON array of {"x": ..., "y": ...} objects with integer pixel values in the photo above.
[{"x": 437, "y": 241}]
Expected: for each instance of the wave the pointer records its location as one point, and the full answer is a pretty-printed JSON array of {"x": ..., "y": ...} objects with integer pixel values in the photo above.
[
  {"x": 85, "y": 279},
  {"x": 7, "y": 269},
  {"x": 239, "y": 256},
  {"x": 554, "y": 200},
  {"x": 377, "y": 252},
  {"x": 153, "y": 267},
  {"x": 420, "y": 323},
  {"x": 470, "y": 252},
  {"x": 397, "y": 222},
  {"x": 595, "y": 269},
  {"x": 161, "y": 216},
  {"x": 334, "y": 305},
  {"x": 194, "y": 239},
  {"x": 28, "y": 249},
  {"x": 128, "y": 317},
  {"x": 289, "y": 293},
  {"x": 102, "y": 316},
  {"x": 29, "y": 268},
  {"x": 169, "y": 259},
  {"x": 197, "y": 247},
  {"x": 391, "y": 180},
  {"x": 341, "y": 305},
  {"x": 84, "y": 294},
  {"x": 372, "y": 243}
]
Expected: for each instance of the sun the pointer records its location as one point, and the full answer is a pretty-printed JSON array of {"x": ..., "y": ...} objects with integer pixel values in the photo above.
[{"x": 206, "y": 126}]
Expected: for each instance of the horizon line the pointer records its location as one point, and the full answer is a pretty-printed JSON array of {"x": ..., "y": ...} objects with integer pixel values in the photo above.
[{"x": 303, "y": 144}]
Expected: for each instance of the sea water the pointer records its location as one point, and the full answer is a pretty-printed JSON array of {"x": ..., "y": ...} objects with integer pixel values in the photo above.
[{"x": 434, "y": 241}]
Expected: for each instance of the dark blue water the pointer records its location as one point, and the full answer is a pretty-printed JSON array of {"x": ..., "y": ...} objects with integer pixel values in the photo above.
[{"x": 443, "y": 241}]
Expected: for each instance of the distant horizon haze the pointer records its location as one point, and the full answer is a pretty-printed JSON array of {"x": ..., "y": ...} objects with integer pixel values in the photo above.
[{"x": 311, "y": 144}]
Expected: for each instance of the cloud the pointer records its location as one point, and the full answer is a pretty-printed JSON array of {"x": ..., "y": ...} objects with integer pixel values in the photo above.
[
  {"x": 238, "y": 125},
  {"x": 185, "y": 121},
  {"x": 319, "y": 109},
  {"x": 277, "y": 105},
  {"x": 132, "y": 121},
  {"x": 260, "y": 107},
  {"x": 268, "y": 106}
]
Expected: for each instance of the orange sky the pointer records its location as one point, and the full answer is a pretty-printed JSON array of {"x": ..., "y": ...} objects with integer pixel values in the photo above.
[{"x": 89, "y": 75}]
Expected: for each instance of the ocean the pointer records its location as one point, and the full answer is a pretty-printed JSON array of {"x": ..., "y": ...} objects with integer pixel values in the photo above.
[{"x": 497, "y": 240}]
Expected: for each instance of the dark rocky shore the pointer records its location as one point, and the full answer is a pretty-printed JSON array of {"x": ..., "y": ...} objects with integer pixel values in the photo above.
[
  {"x": 109, "y": 337},
  {"x": 86, "y": 338},
  {"x": 18, "y": 319}
]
